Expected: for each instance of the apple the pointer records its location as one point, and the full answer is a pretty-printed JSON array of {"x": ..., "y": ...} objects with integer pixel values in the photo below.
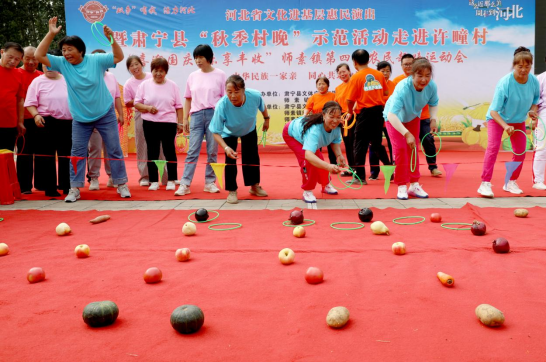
[
  {"x": 153, "y": 275},
  {"x": 299, "y": 231},
  {"x": 314, "y": 275},
  {"x": 4, "y": 249},
  {"x": 286, "y": 256},
  {"x": 82, "y": 251},
  {"x": 35, "y": 275},
  {"x": 182, "y": 254},
  {"x": 63, "y": 229},
  {"x": 399, "y": 248},
  {"x": 189, "y": 229},
  {"x": 435, "y": 217}
]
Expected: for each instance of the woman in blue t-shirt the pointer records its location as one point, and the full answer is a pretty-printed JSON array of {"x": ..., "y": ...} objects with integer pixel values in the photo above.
[
  {"x": 89, "y": 101},
  {"x": 516, "y": 95},
  {"x": 305, "y": 136},
  {"x": 235, "y": 117}
]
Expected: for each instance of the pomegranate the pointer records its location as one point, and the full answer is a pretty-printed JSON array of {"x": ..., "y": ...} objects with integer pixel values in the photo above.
[
  {"x": 478, "y": 228},
  {"x": 501, "y": 246},
  {"x": 296, "y": 217}
]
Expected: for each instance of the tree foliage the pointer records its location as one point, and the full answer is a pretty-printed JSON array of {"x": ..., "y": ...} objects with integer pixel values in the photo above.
[{"x": 26, "y": 21}]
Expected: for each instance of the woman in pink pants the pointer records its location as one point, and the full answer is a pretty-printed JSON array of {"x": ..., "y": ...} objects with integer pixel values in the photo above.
[
  {"x": 402, "y": 114},
  {"x": 305, "y": 136},
  {"x": 517, "y": 94}
]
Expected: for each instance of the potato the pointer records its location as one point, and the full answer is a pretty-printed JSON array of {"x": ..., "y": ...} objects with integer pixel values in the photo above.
[
  {"x": 337, "y": 317},
  {"x": 521, "y": 212},
  {"x": 489, "y": 315}
]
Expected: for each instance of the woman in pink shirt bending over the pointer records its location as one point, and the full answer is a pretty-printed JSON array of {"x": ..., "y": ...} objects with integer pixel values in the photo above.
[
  {"x": 204, "y": 88},
  {"x": 47, "y": 102},
  {"x": 158, "y": 99}
]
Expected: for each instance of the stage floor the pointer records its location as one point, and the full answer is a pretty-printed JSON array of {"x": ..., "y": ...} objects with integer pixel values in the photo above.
[{"x": 257, "y": 309}]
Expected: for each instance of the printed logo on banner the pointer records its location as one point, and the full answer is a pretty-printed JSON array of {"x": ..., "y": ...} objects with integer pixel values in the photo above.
[
  {"x": 371, "y": 83},
  {"x": 93, "y": 11}
]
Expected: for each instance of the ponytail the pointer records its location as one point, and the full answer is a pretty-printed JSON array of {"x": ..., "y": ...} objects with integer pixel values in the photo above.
[{"x": 318, "y": 118}]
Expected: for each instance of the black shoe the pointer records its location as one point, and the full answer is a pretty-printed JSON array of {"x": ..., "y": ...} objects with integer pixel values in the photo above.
[
  {"x": 373, "y": 177},
  {"x": 26, "y": 192},
  {"x": 52, "y": 193}
]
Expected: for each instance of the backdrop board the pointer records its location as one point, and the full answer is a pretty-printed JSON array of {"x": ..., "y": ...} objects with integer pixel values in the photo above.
[{"x": 281, "y": 47}]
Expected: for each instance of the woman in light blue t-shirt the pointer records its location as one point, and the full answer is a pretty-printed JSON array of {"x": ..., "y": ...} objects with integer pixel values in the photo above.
[{"x": 305, "y": 136}]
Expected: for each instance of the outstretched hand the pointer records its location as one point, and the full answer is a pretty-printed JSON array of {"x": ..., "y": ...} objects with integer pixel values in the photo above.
[
  {"x": 53, "y": 28},
  {"x": 108, "y": 33}
]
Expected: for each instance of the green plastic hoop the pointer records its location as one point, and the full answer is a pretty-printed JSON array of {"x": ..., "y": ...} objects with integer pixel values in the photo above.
[
  {"x": 408, "y": 223},
  {"x": 439, "y": 148},
  {"x": 412, "y": 165},
  {"x": 543, "y": 130},
  {"x": 226, "y": 223},
  {"x": 1, "y": 219},
  {"x": 347, "y": 185},
  {"x": 344, "y": 223},
  {"x": 94, "y": 30},
  {"x": 208, "y": 220},
  {"x": 293, "y": 226},
  {"x": 456, "y": 223},
  {"x": 525, "y": 149}
]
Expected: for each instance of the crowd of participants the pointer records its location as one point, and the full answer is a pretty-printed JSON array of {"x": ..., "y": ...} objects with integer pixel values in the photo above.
[{"x": 73, "y": 110}]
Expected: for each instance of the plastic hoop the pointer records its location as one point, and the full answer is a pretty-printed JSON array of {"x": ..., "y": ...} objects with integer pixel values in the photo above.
[
  {"x": 525, "y": 149},
  {"x": 347, "y": 185},
  {"x": 94, "y": 30},
  {"x": 352, "y": 223},
  {"x": 456, "y": 223},
  {"x": 543, "y": 129},
  {"x": 304, "y": 225},
  {"x": 226, "y": 223},
  {"x": 408, "y": 223},
  {"x": 439, "y": 148},
  {"x": 413, "y": 166},
  {"x": 214, "y": 218},
  {"x": 1, "y": 219},
  {"x": 20, "y": 151}
]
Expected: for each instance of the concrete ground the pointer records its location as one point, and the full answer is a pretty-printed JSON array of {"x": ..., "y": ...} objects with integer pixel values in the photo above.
[{"x": 447, "y": 203}]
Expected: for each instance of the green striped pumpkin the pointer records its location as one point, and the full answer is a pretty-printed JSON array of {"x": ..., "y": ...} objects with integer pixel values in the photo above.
[
  {"x": 187, "y": 319},
  {"x": 100, "y": 314}
]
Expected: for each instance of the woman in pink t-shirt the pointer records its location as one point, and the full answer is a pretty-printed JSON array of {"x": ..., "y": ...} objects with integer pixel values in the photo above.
[
  {"x": 158, "y": 99},
  {"x": 47, "y": 102},
  {"x": 136, "y": 68}
]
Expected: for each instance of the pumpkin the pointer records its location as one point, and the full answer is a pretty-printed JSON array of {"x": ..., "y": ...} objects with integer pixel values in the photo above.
[
  {"x": 187, "y": 319},
  {"x": 100, "y": 314}
]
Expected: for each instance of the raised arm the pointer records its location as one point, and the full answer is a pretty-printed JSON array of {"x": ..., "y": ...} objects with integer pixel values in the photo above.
[
  {"x": 116, "y": 49},
  {"x": 41, "y": 51}
]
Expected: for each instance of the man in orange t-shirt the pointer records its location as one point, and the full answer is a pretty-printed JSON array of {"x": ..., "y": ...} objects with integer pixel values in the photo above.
[
  {"x": 11, "y": 96},
  {"x": 428, "y": 143},
  {"x": 27, "y": 146},
  {"x": 367, "y": 89}
]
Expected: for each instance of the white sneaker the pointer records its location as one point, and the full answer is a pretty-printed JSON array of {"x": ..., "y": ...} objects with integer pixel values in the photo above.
[
  {"x": 73, "y": 195},
  {"x": 232, "y": 198},
  {"x": 177, "y": 182},
  {"x": 110, "y": 183},
  {"x": 170, "y": 186},
  {"x": 211, "y": 188},
  {"x": 154, "y": 186},
  {"x": 402, "y": 192},
  {"x": 144, "y": 182},
  {"x": 123, "y": 191},
  {"x": 182, "y": 190},
  {"x": 309, "y": 197},
  {"x": 330, "y": 190},
  {"x": 485, "y": 190},
  {"x": 539, "y": 186},
  {"x": 416, "y": 190},
  {"x": 94, "y": 184},
  {"x": 512, "y": 187}
]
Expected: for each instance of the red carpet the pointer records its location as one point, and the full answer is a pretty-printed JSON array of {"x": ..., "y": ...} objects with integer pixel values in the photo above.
[
  {"x": 281, "y": 179},
  {"x": 257, "y": 309}
]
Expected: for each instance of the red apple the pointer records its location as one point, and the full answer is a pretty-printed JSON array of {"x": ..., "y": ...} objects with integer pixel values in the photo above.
[
  {"x": 189, "y": 229},
  {"x": 153, "y": 275},
  {"x": 35, "y": 275},
  {"x": 399, "y": 248},
  {"x": 82, "y": 251},
  {"x": 299, "y": 231},
  {"x": 182, "y": 254},
  {"x": 286, "y": 256},
  {"x": 435, "y": 217},
  {"x": 501, "y": 246},
  {"x": 4, "y": 249},
  {"x": 314, "y": 275}
]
